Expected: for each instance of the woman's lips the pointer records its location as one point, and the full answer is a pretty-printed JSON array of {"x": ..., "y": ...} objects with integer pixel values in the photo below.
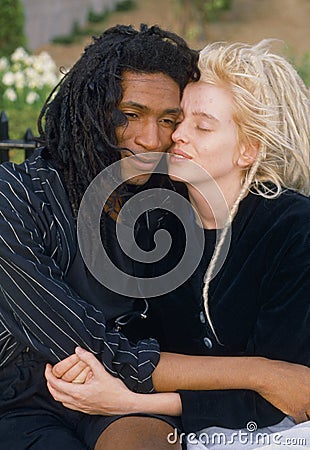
[{"x": 178, "y": 155}]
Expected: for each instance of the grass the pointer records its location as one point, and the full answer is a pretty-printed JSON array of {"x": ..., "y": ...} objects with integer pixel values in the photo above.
[
  {"x": 22, "y": 119},
  {"x": 19, "y": 121}
]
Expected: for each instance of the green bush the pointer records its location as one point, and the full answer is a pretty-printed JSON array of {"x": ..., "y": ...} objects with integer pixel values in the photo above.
[
  {"x": 94, "y": 17},
  {"x": 11, "y": 26},
  {"x": 126, "y": 5},
  {"x": 212, "y": 9}
]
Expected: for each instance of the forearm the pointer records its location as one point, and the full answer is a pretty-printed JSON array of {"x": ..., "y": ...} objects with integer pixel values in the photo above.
[
  {"x": 43, "y": 312},
  {"x": 184, "y": 372},
  {"x": 282, "y": 386},
  {"x": 159, "y": 403}
]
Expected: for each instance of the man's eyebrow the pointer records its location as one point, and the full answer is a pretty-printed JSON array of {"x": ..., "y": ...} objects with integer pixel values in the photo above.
[
  {"x": 173, "y": 111},
  {"x": 134, "y": 104},
  {"x": 205, "y": 115},
  {"x": 146, "y": 108}
]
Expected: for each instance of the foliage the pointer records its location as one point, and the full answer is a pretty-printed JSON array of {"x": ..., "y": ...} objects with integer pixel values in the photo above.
[
  {"x": 213, "y": 8},
  {"x": 77, "y": 32},
  {"x": 206, "y": 10},
  {"x": 11, "y": 26},
  {"x": 126, "y": 5},
  {"x": 302, "y": 66},
  {"x": 94, "y": 17},
  {"x": 25, "y": 82}
]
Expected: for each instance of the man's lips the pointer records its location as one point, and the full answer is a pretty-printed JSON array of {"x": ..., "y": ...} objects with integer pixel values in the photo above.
[
  {"x": 145, "y": 158},
  {"x": 143, "y": 161}
]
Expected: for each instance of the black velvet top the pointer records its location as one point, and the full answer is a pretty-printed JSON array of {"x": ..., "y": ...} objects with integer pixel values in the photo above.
[{"x": 259, "y": 305}]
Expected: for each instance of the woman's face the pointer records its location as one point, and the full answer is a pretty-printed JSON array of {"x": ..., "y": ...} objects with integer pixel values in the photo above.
[{"x": 208, "y": 136}]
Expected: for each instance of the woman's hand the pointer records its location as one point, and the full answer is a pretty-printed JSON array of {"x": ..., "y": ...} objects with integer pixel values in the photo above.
[{"x": 100, "y": 392}]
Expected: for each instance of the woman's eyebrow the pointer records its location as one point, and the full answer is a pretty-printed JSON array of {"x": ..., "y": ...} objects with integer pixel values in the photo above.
[{"x": 205, "y": 115}]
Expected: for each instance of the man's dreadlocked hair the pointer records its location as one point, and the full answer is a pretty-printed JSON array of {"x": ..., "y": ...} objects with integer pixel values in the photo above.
[{"x": 80, "y": 121}]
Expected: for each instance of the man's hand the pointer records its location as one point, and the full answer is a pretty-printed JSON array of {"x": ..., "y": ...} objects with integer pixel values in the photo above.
[
  {"x": 287, "y": 387},
  {"x": 72, "y": 369}
]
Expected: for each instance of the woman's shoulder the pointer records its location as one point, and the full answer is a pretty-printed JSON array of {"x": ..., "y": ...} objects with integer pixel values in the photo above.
[
  {"x": 289, "y": 202},
  {"x": 289, "y": 213}
]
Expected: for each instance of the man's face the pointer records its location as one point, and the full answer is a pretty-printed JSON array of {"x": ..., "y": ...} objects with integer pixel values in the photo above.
[{"x": 151, "y": 104}]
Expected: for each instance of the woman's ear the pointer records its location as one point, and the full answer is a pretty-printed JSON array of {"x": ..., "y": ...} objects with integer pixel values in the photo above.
[{"x": 248, "y": 154}]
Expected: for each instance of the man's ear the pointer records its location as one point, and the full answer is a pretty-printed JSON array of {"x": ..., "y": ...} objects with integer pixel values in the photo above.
[{"x": 248, "y": 154}]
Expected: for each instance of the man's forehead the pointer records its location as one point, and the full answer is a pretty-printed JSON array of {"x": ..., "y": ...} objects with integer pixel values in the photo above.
[
  {"x": 128, "y": 78},
  {"x": 148, "y": 91}
]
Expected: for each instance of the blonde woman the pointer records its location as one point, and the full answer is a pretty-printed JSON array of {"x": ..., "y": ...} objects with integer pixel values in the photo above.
[{"x": 246, "y": 123}]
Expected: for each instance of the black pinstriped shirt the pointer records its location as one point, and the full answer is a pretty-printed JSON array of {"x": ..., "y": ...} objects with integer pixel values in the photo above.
[{"x": 38, "y": 308}]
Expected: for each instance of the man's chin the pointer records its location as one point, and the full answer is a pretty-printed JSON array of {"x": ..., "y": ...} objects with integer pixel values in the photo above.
[
  {"x": 134, "y": 172},
  {"x": 138, "y": 180}
]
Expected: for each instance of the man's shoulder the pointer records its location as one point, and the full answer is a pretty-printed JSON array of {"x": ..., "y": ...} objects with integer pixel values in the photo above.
[{"x": 30, "y": 180}]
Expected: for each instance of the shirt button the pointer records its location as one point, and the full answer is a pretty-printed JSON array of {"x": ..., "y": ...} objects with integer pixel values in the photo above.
[
  {"x": 207, "y": 342},
  {"x": 202, "y": 317}
]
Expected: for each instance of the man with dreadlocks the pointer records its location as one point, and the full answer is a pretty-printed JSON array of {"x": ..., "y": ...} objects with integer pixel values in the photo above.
[
  {"x": 124, "y": 92},
  {"x": 127, "y": 80}
]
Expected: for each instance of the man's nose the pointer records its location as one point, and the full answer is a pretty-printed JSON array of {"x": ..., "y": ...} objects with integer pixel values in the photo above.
[{"x": 149, "y": 138}]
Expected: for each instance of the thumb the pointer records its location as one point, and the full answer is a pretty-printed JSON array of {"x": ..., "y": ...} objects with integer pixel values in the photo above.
[{"x": 89, "y": 359}]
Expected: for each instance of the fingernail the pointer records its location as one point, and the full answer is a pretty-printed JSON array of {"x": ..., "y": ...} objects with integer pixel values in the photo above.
[{"x": 79, "y": 350}]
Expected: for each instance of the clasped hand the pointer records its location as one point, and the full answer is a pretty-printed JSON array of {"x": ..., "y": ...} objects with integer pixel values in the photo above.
[{"x": 81, "y": 383}]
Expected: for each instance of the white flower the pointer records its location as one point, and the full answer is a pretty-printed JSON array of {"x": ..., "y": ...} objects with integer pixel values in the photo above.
[
  {"x": 8, "y": 79},
  {"x": 32, "y": 97},
  {"x": 27, "y": 76},
  {"x": 17, "y": 66},
  {"x": 20, "y": 54},
  {"x": 4, "y": 63},
  {"x": 20, "y": 81},
  {"x": 10, "y": 94}
]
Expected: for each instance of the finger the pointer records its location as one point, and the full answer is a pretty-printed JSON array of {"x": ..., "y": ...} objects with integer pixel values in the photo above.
[
  {"x": 66, "y": 364},
  {"x": 82, "y": 376},
  {"x": 48, "y": 371},
  {"x": 90, "y": 360},
  {"x": 75, "y": 372},
  {"x": 60, "y": 386}
]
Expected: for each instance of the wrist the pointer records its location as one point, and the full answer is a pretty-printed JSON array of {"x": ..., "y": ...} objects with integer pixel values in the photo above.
[
  {"x": 261, "y": 370},
  {"x": 157, "y": 403}
]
